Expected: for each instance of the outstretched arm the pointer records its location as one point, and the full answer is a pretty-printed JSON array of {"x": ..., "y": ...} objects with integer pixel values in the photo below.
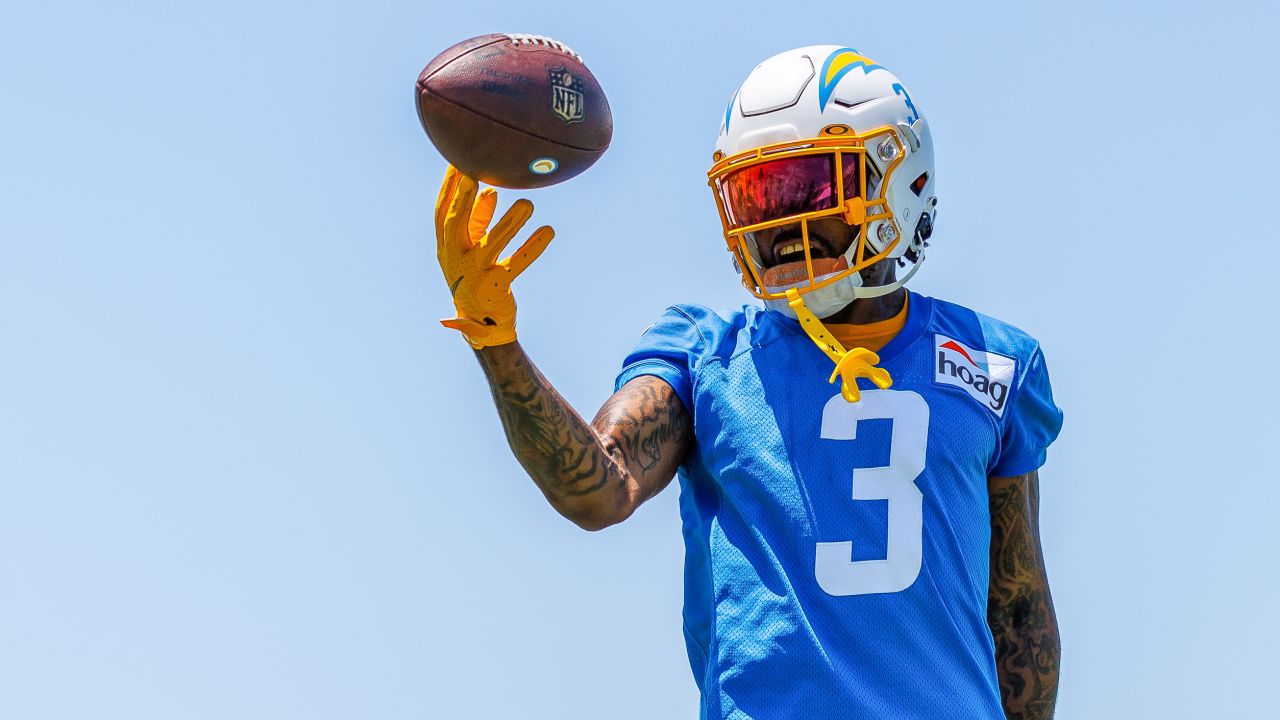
[
  {"x": 594, "y": 474},
  {"x": 1019, "y": 607}
]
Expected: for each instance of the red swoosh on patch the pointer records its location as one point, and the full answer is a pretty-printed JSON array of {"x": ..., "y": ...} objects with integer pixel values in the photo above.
[{"x": 951, "y": 345}]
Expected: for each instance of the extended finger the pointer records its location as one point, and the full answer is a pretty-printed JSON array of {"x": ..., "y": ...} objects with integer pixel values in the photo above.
[
  {"x": 446, "y": 197},
  {"x": 482, "y": 213},
  {"x": 468, "y": 327},
  {"x": 506, "y": 228},
  {"x": 521, "y": 259},
  {"x": 443, "y": 202},
  {"x": 459, "y": 215}
]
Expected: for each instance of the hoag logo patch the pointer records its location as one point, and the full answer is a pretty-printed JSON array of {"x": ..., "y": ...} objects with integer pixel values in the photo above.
[{"x": 984, "y": 375}]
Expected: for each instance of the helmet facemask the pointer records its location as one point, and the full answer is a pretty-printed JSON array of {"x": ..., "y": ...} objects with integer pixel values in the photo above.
[{"x": 796, "y": 183}]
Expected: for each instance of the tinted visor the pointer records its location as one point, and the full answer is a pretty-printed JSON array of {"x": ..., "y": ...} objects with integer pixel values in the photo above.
[{"x": 787, "y": 187}]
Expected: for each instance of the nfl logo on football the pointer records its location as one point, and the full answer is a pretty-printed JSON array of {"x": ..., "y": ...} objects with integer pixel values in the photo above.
[{"x": 567, "y": 100}]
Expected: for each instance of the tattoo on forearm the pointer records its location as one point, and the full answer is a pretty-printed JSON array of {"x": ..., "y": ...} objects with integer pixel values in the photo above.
[
  {"x": 1020, "y": 608},
  {"x": 626, "y": 455},
  {"x": 554, "y": 445}
]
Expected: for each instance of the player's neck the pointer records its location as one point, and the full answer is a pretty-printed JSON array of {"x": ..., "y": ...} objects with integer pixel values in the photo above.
[{"x": 870, "y": 310}]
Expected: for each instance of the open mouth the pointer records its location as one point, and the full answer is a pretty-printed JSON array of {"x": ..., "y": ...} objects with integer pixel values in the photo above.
[
  {"x": 783, "y": 259},
  {"x": 788, "y": 247}
]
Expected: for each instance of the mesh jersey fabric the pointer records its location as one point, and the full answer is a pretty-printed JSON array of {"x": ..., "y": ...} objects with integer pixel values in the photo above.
[{"x": 836, "y": 554}]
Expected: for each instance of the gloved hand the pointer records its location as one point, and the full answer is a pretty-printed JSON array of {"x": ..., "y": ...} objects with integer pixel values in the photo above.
[{"x": 481, "y": 286}]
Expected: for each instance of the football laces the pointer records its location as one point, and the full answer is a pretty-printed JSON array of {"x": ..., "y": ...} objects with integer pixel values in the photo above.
[{"x": 527, "y": 39}]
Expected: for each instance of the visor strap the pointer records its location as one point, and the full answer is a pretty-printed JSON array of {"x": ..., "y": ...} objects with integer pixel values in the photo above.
[{"x": 850, "y": 364}]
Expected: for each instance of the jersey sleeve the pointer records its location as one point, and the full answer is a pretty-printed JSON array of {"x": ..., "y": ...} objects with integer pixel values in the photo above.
[
  {"x": 1033, "y": 423},
  {"x": 669, "y": 350}
]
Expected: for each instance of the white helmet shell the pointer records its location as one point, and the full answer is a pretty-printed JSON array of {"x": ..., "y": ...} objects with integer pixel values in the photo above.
[{"x": 793, "y": 96}]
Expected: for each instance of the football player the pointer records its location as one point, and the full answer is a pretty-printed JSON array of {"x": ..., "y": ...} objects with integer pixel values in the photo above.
[{"x": 867, "y": 549}]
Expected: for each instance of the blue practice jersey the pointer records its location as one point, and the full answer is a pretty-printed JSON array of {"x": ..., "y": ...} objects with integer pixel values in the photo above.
[{"x": 836, "y": 553}]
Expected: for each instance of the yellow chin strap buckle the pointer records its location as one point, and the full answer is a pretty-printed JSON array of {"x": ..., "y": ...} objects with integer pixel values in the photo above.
[{"x": 850, "y": 364}]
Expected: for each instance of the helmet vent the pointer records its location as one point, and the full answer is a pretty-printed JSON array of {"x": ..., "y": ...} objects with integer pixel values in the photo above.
[
  {"x": 917, "y": 185},
  {"x": 852, "y": 103}
]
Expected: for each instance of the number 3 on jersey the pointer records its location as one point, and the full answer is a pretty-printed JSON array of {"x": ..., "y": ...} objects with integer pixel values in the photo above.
[{"x": 836, "y": 572}]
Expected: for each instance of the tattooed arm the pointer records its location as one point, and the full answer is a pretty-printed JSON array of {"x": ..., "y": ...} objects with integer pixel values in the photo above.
[
  {"x": 593, "y": 474},
  {"x": 1019, "y": 608}
]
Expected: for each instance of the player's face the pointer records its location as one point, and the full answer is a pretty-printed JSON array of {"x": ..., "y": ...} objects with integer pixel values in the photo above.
[{"x": 829, "y": 237}]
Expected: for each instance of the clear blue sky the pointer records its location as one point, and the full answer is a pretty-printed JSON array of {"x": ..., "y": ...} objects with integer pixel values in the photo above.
[{"x": 243, "y": 473}]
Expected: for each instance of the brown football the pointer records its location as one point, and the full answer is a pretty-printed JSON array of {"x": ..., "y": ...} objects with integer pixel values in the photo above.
[{"x": 516, "y": 111}]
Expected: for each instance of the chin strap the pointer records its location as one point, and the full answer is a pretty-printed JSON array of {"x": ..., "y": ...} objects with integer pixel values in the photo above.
[
  {"x": 850, "y": 364},
  {"x": 881, "y": 290}
]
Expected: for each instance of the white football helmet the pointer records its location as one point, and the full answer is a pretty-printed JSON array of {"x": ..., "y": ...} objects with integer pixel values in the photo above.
[{"x": 816, "y": 132}]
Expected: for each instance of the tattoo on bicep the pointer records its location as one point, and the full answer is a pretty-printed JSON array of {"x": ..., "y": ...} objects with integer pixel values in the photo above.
[
  {"x": 1020, "y": 608},
  {"x": 646, "y": 417},
  {"x": 562, "y": 451}
]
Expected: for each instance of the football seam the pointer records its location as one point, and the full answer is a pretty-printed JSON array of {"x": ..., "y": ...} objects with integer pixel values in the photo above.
[
  {"x": 477, "y": 113},
  {"x": 498, "y": 39}
]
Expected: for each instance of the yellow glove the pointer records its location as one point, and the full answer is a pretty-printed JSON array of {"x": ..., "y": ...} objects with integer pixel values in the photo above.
[{"x": 481, "y": 286}]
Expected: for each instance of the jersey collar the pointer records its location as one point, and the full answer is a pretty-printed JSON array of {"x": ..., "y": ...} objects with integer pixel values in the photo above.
[{"x": 771, "y": 324}]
